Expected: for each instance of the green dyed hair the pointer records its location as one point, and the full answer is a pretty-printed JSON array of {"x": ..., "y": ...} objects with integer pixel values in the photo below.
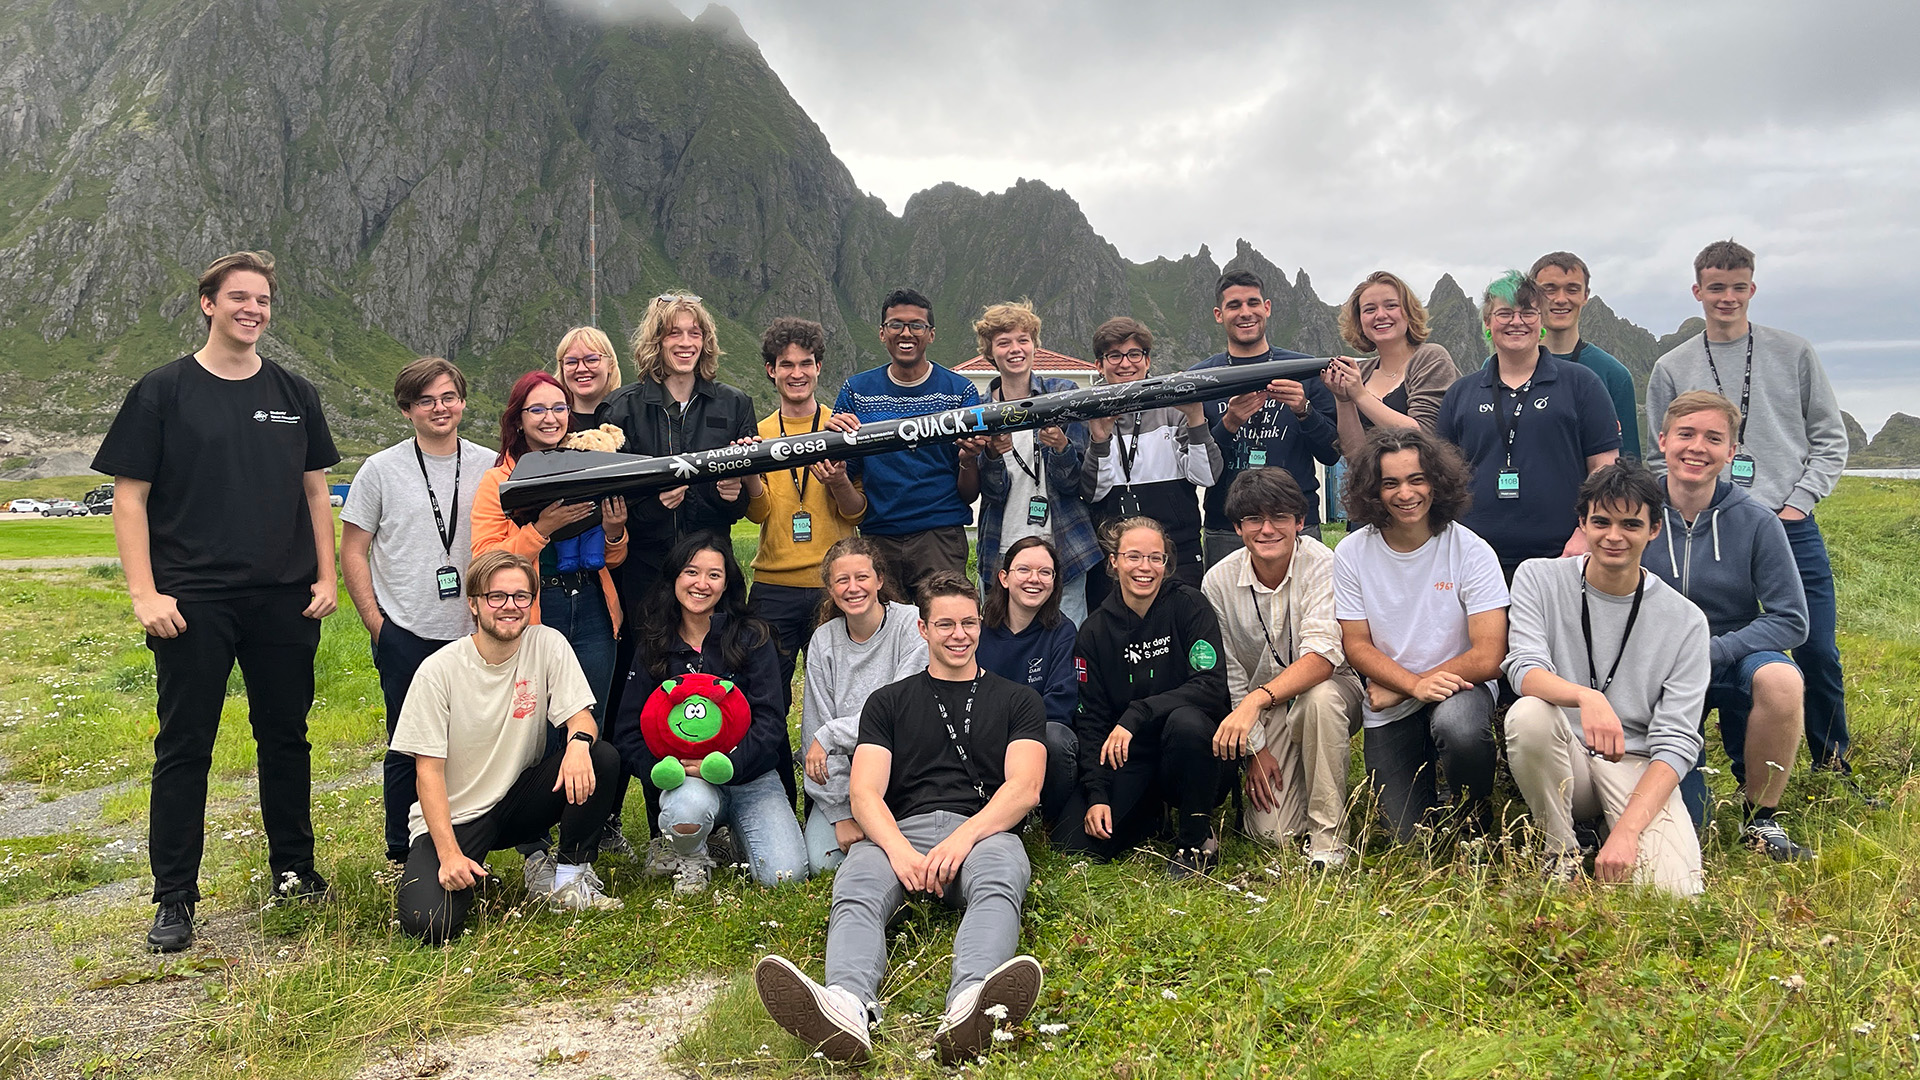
[{"x": 1512, "y": 287}]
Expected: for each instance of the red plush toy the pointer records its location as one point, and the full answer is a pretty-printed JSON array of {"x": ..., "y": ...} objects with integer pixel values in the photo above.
[{"x": 694, "y": 716}]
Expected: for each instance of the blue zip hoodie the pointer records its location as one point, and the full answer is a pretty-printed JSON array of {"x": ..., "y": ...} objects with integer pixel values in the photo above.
[
  {"x": 1735, "y": 564},
  {"x": 1039, "y": 658}
]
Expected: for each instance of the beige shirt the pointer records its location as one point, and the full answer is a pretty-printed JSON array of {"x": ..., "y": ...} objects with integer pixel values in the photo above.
[
  {"x": 489, "y": 721},
  {"x": 1298, "y": 617}
]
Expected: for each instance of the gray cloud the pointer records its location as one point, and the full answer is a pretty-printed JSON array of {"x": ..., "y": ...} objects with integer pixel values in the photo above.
[{"x": 1460, "y": 139}]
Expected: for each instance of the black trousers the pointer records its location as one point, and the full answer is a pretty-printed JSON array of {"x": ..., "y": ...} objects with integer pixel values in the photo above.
[
  {"x": 789, "y": 610},
  {"x": 1170, "y": 763},
  {"x": 397, "y": 655},
  {"x": 529, "y": 808},
  {"x": 274, "y": 645}
]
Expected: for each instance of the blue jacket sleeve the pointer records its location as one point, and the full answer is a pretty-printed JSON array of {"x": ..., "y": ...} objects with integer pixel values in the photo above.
[
  {"x": 624, "y": 731},
  {"x": 1061, "y": 691},
  {"x": 1782, "y": 622},
  {"x": 1063, "y": 466},
  {"x": 766, "y": 745}
]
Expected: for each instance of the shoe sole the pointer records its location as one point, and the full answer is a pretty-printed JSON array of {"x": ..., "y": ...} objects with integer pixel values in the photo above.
[
  {"x": 168, "y": 946},
  {"x": 789, "y": 999},
  {"x": 1015, "y": 984}
]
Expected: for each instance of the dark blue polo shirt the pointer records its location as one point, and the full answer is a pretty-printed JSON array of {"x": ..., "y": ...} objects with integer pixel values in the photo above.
[
  {"x": 1272, "y": 437},
  {"x": 1565, "y": 417}
]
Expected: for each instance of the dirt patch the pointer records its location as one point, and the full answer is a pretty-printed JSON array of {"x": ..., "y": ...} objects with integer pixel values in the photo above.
[
  {"x": 565, "y": 1041},
  {"x": 24, "y": 813}
]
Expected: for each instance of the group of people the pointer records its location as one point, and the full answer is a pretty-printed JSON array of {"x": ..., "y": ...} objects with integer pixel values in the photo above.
[{"x": 1158, "y": 626}]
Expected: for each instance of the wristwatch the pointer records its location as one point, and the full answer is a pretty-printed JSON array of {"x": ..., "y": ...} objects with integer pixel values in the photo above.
[{"x": 582, "y": 736}]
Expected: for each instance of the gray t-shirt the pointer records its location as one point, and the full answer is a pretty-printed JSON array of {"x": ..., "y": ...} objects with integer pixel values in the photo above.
[{"x": 388, "y": 498}]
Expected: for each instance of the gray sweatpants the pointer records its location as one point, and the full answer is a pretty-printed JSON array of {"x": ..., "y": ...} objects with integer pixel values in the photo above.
[{"x": 991, "y": 886}]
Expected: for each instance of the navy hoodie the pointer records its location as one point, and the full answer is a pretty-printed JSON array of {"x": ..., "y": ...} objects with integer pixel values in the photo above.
[
  {"x": 1735, "y": 564},
  {"x": 1036, "y": 657}
]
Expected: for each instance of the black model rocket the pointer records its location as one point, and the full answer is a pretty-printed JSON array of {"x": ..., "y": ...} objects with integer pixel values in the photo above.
[{"x": 542, "y": 477}]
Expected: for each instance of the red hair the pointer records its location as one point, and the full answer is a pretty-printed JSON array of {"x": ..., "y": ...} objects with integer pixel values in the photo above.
[{"x": 513, "y": 441}]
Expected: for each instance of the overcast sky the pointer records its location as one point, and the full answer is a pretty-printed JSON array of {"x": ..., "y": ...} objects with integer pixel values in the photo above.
[{"x": 1423, "y": 138}]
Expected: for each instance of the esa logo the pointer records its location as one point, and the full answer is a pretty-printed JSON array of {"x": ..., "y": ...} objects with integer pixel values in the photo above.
[{"x": 781, "y": 451}]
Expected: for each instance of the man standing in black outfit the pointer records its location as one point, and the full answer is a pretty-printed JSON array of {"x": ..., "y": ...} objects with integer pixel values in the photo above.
[{"x": 219, "y": 463}]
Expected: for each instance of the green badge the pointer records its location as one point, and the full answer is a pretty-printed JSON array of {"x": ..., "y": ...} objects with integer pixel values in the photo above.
[{"x": 1201, "y": 657}]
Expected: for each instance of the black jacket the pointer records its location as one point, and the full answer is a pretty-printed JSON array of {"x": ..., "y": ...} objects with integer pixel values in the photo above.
[
  {"x": 766, "y": 745},
  {"x": 716, "y": 414},
  {"x": 1132, "y": 669}
]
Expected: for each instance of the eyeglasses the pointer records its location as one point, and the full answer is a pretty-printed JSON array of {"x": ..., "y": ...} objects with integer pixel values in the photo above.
[
  {"x": 538, "y": 411},
  {"x": 1044, "y": 573},
  {"x": 1133, "y": 355},
  {"x": 446, "y": 401},
  {"x": 948, "y": 626},
  {"x": 1135, "y": 558},
  {"x": 589, "y": 360},
  {"x": 914, "y": 327},
  {"x": 675, "y": 297},
  {"x": 1261, "y": 521},
  {"x": 498, "y": 600},
  {"x": 1509, "y": 315}
]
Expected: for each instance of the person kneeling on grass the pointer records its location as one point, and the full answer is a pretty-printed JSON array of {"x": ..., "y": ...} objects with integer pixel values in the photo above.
[
  {"x": 475, "y": 722},
  {"x": 949, "y": 764},
  {"x": 1614, "y": 664}
]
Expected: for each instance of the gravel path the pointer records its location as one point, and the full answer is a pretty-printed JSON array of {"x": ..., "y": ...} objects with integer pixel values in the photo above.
[
  {"x": 22, "y": 813},
  {"x": 65, "y": 563}
]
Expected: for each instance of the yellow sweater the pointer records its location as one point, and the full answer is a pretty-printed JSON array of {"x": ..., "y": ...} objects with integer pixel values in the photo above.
[{"x": 780, "y": 561}]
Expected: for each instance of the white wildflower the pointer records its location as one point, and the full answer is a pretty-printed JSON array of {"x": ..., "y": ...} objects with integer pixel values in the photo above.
[
  {"x": 924, "y": 1055},
  {"x": 1175, "y": 911},
  {"x": 1169, "y": 995},
  {"x": 1053, "y": 1029},
  {"x": 1002, "y": 1035},
  {"x": 998, "y": 1012},
  {"x": 1385, "y": 912},
  {"x": 1796, "y": 982},
  {"x": 1864, "y": 1027}
]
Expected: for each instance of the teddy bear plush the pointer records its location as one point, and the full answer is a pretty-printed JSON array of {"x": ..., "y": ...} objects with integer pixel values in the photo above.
[
  {"x": 693, "y": 716},
  {"x": 604, "y": 437},
  {"x": 583, "y": 545}
]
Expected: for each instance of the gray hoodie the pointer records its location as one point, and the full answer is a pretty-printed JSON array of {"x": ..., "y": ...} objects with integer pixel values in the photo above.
[
  {"x": 1661, "y": 682},
  {"x": 1735, "y": 563},
  {"x": 841, "y": 672},
  {"x": 1793, "y": 425}
]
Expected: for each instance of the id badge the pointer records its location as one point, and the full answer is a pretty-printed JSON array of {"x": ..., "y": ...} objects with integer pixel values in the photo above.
[
  {"x": 1256, "y": 458},
  {"x": 1129, "y": 504},
  {"x": 802, "y": 527},
  {"x": 1037, "y": 510},
  {"x": 1509, "y": 484},
  {"x": 447, "y": 579},
  {"x": 1741, "y": 469}
]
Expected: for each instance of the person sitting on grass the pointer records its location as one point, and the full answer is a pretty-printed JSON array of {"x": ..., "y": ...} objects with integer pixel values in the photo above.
[
  {"x": 1613, "y": 666},
  {"x": 475, "y": 721},
  {"x": 1297, "y": 703},
  {"x": 949, "y": 764},
  {"x": 866, "y": 639},
  {"x": 697, "y": 620},
  {"x": 1027, "y": 639},
  {"x": 1728, "y": 553},
  {"x": 1152, "y": 694}
]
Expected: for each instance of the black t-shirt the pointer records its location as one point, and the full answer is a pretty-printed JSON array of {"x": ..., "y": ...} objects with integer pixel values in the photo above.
[
  {"x": 928, "y": 773},
  {"x": 227, "y": 516}
]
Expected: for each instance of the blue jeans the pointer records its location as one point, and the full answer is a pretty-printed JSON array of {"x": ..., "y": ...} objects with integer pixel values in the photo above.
[
  {"x": 1730, "y": 692},
  {"x": 1819, "y": 657},
  {"x": 760, "y": 813},
  {"x": 1073, "y": 598},
  {"x": 581, "y": 617}
]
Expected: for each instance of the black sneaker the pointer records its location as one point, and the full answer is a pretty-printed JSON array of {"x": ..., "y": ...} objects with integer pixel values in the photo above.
[
  {"x": 613, "y": 841},
  {"x": 303, "y": 885},
  {"x": 1194, "y": 862},
  {"x": 172, "y": 927},
  {"x": 1765, "y": 834}
]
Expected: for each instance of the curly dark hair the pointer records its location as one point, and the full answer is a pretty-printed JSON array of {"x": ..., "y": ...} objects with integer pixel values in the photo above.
[
  {"x": 1446, "y": 471},
  {"x": 787, "y": 330},
  {"x": 660, "y": 615}
]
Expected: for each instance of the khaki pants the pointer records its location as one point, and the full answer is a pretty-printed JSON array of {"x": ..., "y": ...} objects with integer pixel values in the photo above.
[
  {"x": 1561, "y": 781},
  {"x": 1310, "y": 741}
]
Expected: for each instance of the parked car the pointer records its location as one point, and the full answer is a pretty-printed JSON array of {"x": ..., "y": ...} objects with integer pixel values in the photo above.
[
  {"x": 101, "y": 506},
  {"x": 26, "y": 506},
  {"x": 64, "y": 508},
  {"x": 104, "y": 491}
]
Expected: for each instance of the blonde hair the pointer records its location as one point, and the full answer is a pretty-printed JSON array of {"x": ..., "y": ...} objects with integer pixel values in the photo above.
[
  {"x": 1006, "y": 318},
  {"x": 1416, "y": 312},
  {"x": 596, "y": 340},
  {"x": 1698, "y": 401},
  {"x": 650, "y": 360}
]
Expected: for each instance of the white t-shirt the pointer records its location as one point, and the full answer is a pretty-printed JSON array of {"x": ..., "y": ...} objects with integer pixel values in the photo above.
[
  {"x": 489, "y": 721},
  {"x": 1021, "y": 488},
  {"x": 1416, "y": 603}
]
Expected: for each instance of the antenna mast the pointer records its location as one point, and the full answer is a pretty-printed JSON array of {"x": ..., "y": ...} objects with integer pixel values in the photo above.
[{"x": 593, "y": 267}]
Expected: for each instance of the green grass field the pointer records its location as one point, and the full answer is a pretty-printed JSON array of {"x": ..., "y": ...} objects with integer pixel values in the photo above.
[{"x": 1434, "y": 963}]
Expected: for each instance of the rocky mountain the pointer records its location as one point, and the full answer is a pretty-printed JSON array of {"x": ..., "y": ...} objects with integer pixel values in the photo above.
[
  {"x": 1896, "y": 446},
  {"x": 421, "y": 169}
]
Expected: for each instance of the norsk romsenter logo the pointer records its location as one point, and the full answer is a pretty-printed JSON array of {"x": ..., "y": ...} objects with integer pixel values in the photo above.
[{"x": 1201, "y": 656}]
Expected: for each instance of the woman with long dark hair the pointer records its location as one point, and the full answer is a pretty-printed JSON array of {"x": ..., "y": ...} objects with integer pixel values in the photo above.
[
  {"x": 696, "y": 620},
  {"x": 866, "y": 638},
  {"x": 1025, "y": 638}
]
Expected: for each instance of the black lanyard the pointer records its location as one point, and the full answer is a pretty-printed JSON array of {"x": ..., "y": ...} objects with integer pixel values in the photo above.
[
  {"x": 801, "y": 477},
  {"x": 440, "y": 522},
  {"x": 1275, "y": 653},
  {"x": 966, "y": 726},
  {"x": 1586, "y": 630},
  {"x": 1746, "y": 381},
  {"x": 1509, "y": 427},
  {"x": 1127, "y": 453}
]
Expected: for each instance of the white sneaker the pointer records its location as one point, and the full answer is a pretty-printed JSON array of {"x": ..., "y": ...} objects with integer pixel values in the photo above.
[
  {"x": 538, "y": 871},
  {"x": 1327, "y": 860},
  {"x": 583, "y": 894},
  {"x": 693, "y": 874},
  {"x": 1002, "y": 999},
  {"x": 1560, "y": 868},
  {"x": 827, "y": 1018},
  {"x": 662, "y": 859}
]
